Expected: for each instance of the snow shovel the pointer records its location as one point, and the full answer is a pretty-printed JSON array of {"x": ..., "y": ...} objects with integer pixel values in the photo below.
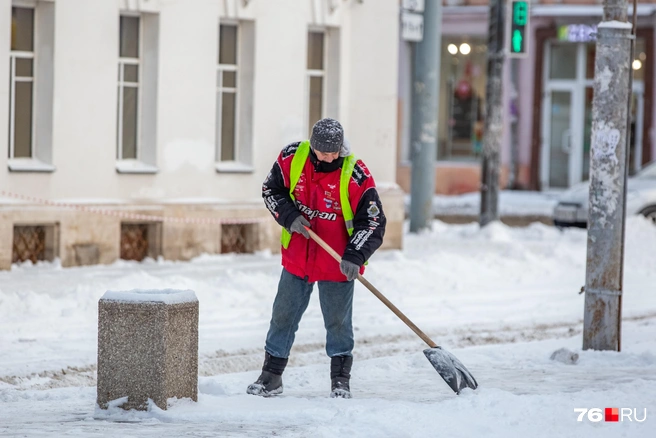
[{"x": 454, "y": 373}]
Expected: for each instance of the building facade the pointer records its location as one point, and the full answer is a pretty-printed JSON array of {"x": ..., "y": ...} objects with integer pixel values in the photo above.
[
  {"x": 138, "y": 128},
  {"x": 547, "y": 97}
]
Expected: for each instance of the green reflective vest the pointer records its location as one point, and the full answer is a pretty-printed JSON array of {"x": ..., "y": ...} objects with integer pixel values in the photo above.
[{"x": 298, "y": 163}]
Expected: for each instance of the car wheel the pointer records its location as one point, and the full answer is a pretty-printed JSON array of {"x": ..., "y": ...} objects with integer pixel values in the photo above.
[{"x": 650, "y": 213}]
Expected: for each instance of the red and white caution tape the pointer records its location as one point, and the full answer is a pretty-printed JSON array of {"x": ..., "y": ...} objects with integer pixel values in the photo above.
[{"x": 133, "y": 216}]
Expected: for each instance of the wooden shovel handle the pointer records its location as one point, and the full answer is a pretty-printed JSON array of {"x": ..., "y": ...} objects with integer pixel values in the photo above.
[{"x": 374, "y": 291}]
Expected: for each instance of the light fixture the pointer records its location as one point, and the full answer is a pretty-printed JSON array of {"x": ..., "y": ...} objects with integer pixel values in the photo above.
[
  {"x": 452, "y": 48},
  {"x": 643, "y": 56},
  {"x": 465, "y": 48},
  {"x": 637, "y": 65}
]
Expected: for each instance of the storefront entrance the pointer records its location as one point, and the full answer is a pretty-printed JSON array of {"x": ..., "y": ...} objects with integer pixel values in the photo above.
[{"x": 567, "y": 112}]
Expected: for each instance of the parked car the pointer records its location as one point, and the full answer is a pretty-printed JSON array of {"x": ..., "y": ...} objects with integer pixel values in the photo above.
[{"x": 572, "y": 207}]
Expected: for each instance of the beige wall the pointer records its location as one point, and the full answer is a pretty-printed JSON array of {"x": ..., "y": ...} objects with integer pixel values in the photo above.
[
  {"x": 85, "y": 70},
  {"x": 85, "y": 107}
]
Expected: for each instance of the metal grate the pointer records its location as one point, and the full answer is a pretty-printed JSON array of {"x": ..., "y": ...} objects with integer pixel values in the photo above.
[
  {"x": 134, "y": 241},
  {"x": 237, "y": 238},
  {"x": 29, "y": 243}
]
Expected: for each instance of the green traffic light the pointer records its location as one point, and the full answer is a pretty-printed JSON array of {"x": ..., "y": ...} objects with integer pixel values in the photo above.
[
  {"x": 519, "y": 26},
  {"x": 517, "y": 41},
  {"x": 520, "y": 10}
]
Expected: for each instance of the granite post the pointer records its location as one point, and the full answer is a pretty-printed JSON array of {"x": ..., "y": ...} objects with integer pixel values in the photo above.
[{"x": 147, "y": 347}]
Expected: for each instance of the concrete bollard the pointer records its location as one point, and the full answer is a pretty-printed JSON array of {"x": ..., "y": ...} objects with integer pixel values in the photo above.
[{"x": 147, "y": 347}]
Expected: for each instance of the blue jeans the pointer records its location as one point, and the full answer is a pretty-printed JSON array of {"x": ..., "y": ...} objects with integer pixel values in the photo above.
[{"x": 293, "y": 296}]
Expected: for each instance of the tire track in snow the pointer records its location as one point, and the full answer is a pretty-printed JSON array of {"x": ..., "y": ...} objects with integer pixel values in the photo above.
[{"x": 304, "y": 354}]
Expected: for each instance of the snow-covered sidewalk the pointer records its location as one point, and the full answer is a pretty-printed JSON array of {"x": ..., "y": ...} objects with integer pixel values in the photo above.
[
  {"x": 511, "y": 203},
  {"x": 501, "y": 299}
]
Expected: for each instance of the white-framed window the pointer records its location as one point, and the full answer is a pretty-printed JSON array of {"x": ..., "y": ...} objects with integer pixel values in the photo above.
[
  {"x": 322, "y": 75},
  {"x": 235, "y": 81},
  {"x": 31, "y": 86},
  {"x": 136, "y": 114},
  {"x": 227, "y": 91},
  {"x": 315, "y": 76},
  {"x": 129, "y": 95},
  {"x": 21, "y": 83}
]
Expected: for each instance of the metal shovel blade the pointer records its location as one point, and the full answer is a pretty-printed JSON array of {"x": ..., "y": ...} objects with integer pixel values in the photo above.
[{"x": 454, "y": 373}]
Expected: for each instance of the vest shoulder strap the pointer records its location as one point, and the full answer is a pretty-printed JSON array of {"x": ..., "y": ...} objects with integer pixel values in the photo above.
[
  {"x": 344, "y": 181},
  {"x": 298, "y": 163}
]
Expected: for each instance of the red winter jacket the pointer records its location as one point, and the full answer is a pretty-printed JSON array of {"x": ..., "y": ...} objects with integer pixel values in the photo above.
[{"x": 317, "y": 198}]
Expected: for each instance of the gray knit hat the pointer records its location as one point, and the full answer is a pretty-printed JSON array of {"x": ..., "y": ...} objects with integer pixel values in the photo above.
[{"x": 327, "y": 136}]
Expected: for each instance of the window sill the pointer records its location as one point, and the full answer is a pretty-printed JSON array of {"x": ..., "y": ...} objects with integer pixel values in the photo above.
[
  {"x": 233, "y": 167},
  {"x": 135, "y": 166},
  {"x": 29, "y": 165}
]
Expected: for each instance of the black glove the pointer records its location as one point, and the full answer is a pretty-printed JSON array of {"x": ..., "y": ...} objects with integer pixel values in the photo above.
[
  {"x": 349, "y": 269},
  {"x": 298, "y": 226}
]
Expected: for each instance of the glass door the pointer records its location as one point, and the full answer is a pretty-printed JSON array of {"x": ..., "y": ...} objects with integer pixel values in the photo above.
[
  {"x": 559, "y": 137},
  {"x": 563, "y": 115},
  {"x": 567, "y": 112}
]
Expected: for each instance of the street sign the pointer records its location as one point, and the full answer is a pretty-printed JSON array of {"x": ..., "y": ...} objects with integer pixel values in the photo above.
[
  {"x": 413, "y": 5},
  {"x": 412, "y": 26},
  {"x": 577, "y": 33},
  {"x": 519, "y": 30}
]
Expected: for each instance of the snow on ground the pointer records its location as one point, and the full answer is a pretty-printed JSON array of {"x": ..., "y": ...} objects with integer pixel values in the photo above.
[
  {"x": 501, "y": 299},
  {"x": 511, "y": 203}
]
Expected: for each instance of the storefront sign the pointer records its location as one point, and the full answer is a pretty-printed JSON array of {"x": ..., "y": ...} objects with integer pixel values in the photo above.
[
  {"x": 412, "y": 26},
  {"x": 577, "y": 33}
]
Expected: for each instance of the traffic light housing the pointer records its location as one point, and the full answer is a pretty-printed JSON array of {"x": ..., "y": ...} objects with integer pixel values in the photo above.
[{"x": 519, "y": 30}]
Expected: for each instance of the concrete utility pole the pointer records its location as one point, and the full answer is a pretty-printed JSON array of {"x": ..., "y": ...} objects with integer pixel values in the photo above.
[
  {"x": 424, "y": 117},
  {"x": 493, "y": 116},
  {"x": 608, "y": 172}
]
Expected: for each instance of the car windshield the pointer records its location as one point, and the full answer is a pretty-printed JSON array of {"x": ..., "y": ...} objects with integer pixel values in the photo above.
[{"x": 648, "y": 172}]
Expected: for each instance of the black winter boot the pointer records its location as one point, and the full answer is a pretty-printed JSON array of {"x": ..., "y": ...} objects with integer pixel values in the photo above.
[
  {"x": 270, "y": 381},
  {"x": 340, "y": 374}
]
